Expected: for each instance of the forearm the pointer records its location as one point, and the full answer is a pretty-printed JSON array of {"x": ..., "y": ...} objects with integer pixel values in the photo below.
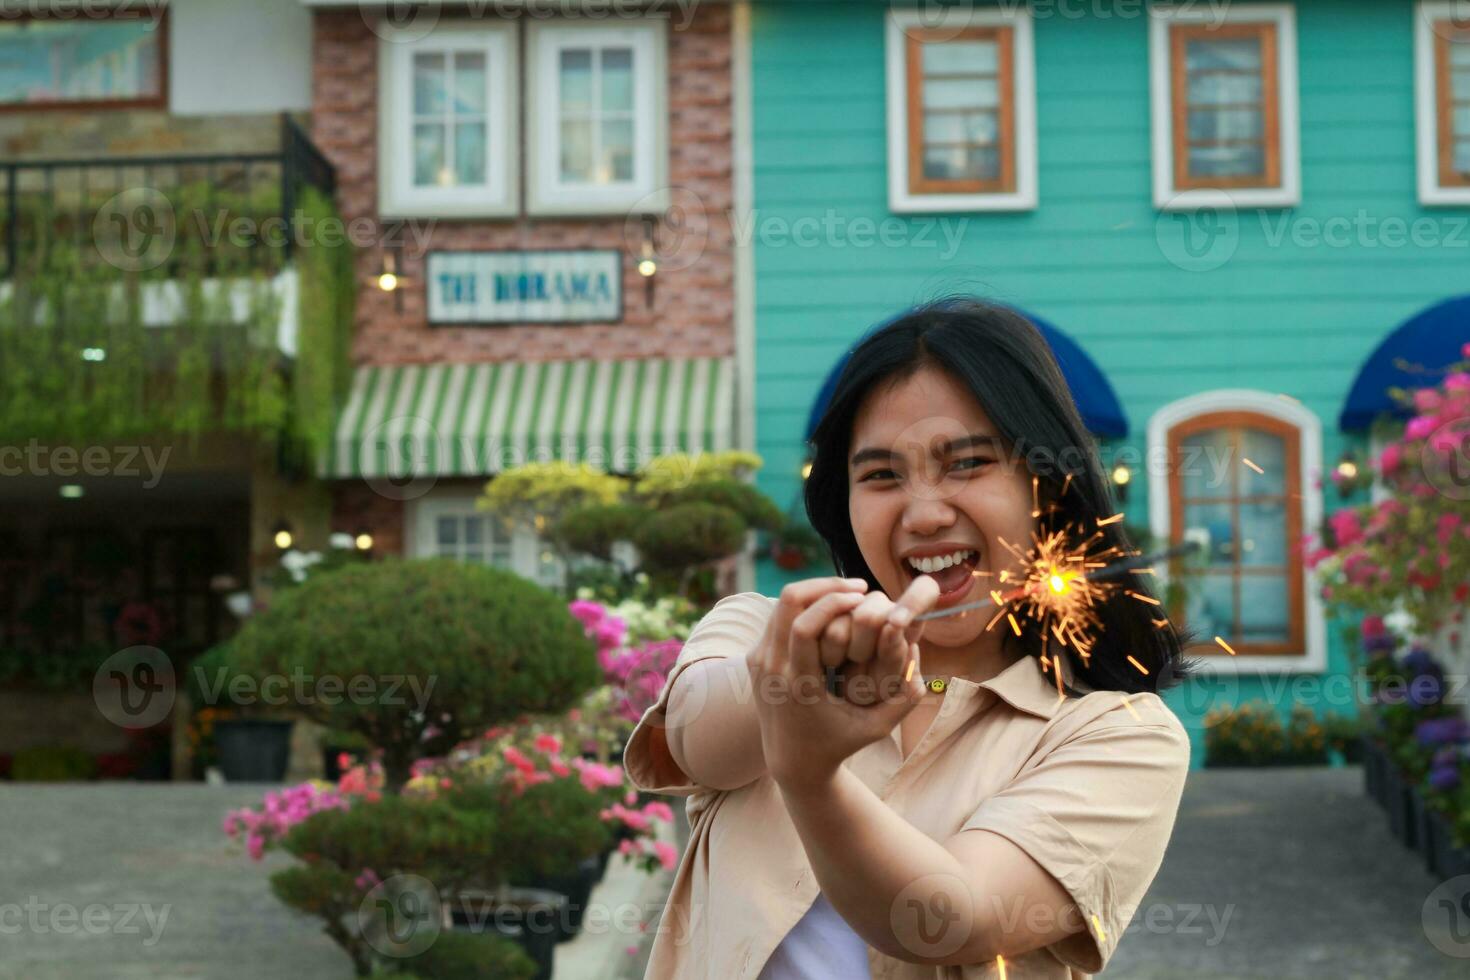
[
  {"x": 868, "y": 860},
  {"x": 714, "y": 733}
]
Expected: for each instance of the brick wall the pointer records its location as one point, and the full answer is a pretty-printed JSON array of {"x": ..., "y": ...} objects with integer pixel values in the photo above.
[{"x": 692, "y": 313}]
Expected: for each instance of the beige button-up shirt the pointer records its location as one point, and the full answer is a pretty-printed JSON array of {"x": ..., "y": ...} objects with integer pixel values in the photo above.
[{"x": 1088, "y": 786}]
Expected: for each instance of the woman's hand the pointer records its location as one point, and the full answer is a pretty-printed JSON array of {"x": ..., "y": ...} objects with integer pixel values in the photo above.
[
  {"x": 850, "y": 641},
  {"x": 806, "y": 731}
]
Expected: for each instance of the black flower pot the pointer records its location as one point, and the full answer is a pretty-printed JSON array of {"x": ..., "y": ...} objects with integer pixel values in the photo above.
[
  {"x": 530, "y": 917},
  {"x": 577, "y": 886},
  {"x": 253, "y": 750},
  {"x": 1373, "y": 772},
  {"x": 1447, "y": 860},
  {"x": 1401, "y": 810},
  {"x": 1423, "y": 832}
]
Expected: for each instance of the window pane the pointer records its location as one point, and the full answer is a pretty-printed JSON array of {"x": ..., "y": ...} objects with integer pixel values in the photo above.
[
  {"x": 1227, "y": 161},
  {"x": 1210, "y": 605},
  {"x": 1204, "y": 464},
  {"x": 1225, "y": 124},
  {"x": 1460, "y": 53},
  {"x": 1268, "y": 451},
  {"x": 78, "y": 59},
  {"x": 448, "y": 530},
  {"x": 576, "y": 80},
  {"x": 469, "y": 83},
  {"x": 1242, "y": 54},
  {"x": 1263, "y": 534},
  {"x": 961, "y": 163},
  {"x": 1462, "y": 156},
  {"x": 961, "y": 127},
  {"x": 617, "y": 150},
  {"x": 1460, "y": 120},
  {"x": 617, "y": 79},
  {"x": 472, "y": 528},
  {"x": 469, "y": 153},
  {"x": 1460, "y": 84},
  {"x": 1265, "y": 613},
  {"x": 428, "y": 153},
  {"x": 961, "y": 93},
  {"x": 1210, "y": 525},
  {"x": 576, "y": 151},
  {"x": 958, "y": 57},
  {"x": 428, "y": 84},
  {"x": 1213, "y": 89}
]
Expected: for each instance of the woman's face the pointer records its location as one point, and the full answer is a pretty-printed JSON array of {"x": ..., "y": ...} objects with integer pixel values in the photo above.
[{"x": 928, "y": 475}]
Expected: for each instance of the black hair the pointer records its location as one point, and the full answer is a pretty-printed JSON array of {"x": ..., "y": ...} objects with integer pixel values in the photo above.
[{"x": 1005, "y": 362}]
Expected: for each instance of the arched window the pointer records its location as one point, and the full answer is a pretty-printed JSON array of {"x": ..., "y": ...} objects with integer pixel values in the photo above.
[{"x": 1236, "y": 478}]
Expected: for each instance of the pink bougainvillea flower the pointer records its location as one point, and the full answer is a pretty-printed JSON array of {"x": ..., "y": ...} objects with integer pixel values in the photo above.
[
  {"x": 548, "y": 743},
  {"x": 1391, "y": 458},
  {"x": 1459, "y": 381},
  {"x": 659, "y": 811},
  {"x": 559, "y": 767},
  {"x": 668, "y": 855},
  {"x": 1372, "y": 627},
  {"x": 518, "y": 759},
  {"x": 1420, "y": 426},
  {"x": 1427, "y": 400}
]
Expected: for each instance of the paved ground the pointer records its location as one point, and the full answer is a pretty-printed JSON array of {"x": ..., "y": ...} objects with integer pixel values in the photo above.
[{"x": 1280, "y": 874}]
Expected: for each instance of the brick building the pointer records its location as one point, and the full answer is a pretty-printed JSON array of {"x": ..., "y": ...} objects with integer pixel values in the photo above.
[{"x": 550, "y": 186}]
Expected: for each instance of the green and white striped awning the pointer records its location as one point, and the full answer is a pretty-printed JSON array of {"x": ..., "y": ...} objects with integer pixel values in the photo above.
[{"x": 418, "y": 420}]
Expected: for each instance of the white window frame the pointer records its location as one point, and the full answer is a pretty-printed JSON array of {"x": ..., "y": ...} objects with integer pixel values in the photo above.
[
  {"x": 1168, "y": 197},
  {"x": 1314, "y": 658},
  {"x": 1023, "y": 87},
  {"x": 1426, "y": 102},
  {"x": 648, "y": 191},
  {"x": 423, "y": 516},
  {"x": 397, "y": 195}
]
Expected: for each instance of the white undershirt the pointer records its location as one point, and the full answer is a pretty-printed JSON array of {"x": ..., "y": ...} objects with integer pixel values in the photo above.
[{"x": 820, "y": 947}]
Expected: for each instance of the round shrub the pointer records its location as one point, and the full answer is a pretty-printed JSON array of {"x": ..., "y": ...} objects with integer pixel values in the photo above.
[
  {"x": 416, "y": 656},
  {"x": 690, "y": 534},
  {"x": 594, "y": 530},
  {"x": 755, "y": 508}
]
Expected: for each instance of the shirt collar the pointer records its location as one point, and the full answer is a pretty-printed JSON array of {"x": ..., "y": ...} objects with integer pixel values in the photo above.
[{"x": 1025, "y": 687}]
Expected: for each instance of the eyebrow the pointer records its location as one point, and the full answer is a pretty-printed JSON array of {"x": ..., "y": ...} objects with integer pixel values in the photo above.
[{"x": 975, "y": 439}]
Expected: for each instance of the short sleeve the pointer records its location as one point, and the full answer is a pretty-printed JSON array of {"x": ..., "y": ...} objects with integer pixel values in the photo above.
[
  {"x": 731, "y": 628},
  {"x": 1096, "y": 812}
]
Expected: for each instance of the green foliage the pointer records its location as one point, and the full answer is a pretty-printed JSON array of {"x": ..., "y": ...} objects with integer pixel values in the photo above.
[
  {"x": 689, "y": 534},
  {"x": 54, "y": 669},
  {"x": 755, "y": 508},
  {"x": 1252, "y": 734},
  {"x": 548, "y": 490},
  {"x": 594, "y": 530},
  {"x": 446, "y": 644},
  {"x": 667, "y": 475},
  {"x": 464, "y": 956},
  {"x": 544, "y": 830},
  {"x": 52, "y": 764},
  {"x": 209, "y": 371}
]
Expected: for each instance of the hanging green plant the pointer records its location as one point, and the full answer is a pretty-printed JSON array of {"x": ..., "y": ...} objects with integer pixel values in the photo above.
[{"x": 85, "y": 359}]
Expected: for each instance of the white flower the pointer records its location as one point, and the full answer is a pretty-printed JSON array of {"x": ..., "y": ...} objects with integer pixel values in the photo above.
[{"x": 341, "y": 539}]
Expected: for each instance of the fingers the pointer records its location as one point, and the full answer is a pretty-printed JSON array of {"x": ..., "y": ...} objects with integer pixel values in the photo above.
[
  {"x": 809, "y": 626},
  {"x": 833, "y": 646},
  {"x": 795, "y": 598},
  {"x": 916, "y": 600},
  {"x": 867, "y": 620}
]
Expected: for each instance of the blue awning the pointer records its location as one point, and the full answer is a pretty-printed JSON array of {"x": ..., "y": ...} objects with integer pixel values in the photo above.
[
  {"x": 1413, "y": 356},
  {"x": 1094, "y": 395}
]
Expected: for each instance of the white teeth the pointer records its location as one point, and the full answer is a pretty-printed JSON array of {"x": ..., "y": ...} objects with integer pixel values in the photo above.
[{"x": 939, "y": 562}]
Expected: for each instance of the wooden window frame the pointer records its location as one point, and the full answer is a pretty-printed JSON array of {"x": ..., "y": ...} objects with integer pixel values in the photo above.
[
  {"x": 124, "y": 12},
  {"x": 1180, "y": 34},
  {"x": 1235, "y": 420},
  {"x": 1444, "y": 103},
  {"x": 1005, "y": 41}
]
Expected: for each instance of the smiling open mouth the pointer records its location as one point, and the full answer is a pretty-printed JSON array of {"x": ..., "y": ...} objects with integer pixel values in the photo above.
[{"x": 953, "y": 579}]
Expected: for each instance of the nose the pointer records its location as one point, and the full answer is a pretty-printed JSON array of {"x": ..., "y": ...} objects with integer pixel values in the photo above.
[{"x": 924, "y": 516}]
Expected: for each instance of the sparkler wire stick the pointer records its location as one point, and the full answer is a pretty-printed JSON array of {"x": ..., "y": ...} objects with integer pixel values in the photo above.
[{"x": 1113, "y": 570}]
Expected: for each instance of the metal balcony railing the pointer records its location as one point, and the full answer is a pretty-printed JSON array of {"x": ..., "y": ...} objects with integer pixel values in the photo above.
[{"x": 218, "y": 212}]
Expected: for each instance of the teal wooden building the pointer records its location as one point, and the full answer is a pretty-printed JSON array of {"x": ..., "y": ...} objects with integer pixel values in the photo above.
[{"x": 1238, "y": 219}]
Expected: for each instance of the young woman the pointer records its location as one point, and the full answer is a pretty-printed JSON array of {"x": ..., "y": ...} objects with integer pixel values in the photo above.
[{"x": 872, "y": 795}]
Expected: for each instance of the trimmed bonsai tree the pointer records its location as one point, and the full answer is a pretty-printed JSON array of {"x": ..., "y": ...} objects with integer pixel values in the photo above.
[{"x": 416, "y": 656}]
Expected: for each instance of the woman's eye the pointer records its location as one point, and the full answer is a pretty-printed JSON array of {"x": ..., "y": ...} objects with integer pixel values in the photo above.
[
  {"x": 978, "y": 460},
  {"x": 874, "y": 475}
]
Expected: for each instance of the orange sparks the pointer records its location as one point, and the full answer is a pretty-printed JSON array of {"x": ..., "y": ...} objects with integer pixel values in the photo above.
[
  {"x": 1141, "y": 668},
  {"x": 1160, "y": 623},
  {"x": 1228, "y": 648},
  {"x": 997, "y": 597},
  {"x": 1000, "y": 965},
  {"x": 1014, "y": 625},
  {"x": 1144, "y": 598},
  {"x": 1098, "y": 925},
  {"x": 1253, "y": 466},
  {"x": 1104, "y": 521},
  {"x": 1035, "y": 499},
  {"x": 1129, "y": 705}
]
